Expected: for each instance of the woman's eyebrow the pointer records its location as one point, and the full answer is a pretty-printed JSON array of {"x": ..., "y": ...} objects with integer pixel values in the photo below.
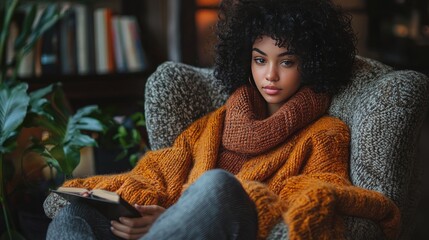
[
  {"x": 280, "y": 55},
  {"x": 259, "y": 51},
  {"x": 286, "y": 53}
]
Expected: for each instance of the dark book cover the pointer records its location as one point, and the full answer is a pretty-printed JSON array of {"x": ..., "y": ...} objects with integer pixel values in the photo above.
[
  {"x": 68, "y": 43},
  {"x": 112, "y": 210},
  {"x": 91, "y": 39},
  {"x": 50, "y": 59}
]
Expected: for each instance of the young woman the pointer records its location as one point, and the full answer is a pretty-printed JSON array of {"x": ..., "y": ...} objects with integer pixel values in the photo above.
[{"x": 269, "y": 155}]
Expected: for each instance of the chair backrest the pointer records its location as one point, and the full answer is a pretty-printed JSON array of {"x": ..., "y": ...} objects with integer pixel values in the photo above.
[
  {"x": 177, "y": 94},
  {"x": 384, "y": 109}
]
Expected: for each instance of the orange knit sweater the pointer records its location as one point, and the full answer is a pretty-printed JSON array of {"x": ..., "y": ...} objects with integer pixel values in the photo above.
[{"x": 303, "y": 179}]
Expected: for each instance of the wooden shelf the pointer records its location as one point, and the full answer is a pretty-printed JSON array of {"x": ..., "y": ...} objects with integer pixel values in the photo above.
[{"x": 122, "y": 91}]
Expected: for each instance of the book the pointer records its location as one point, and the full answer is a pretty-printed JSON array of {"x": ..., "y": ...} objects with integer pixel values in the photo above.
[
  {"x": 10, "y": 50},
  {"x": 104, "y": 49},
  {"x": 100, "y": 39},
  {"x": 135, "y": 33},
  {"x": 132, "y": 57},
  {"x": 90, "y": 37},
  {"x": 50, "y": 59},
  {"x": 109, "y": 38},
  {"x": 83, "y": 35},
  {"x": 68, "y": 42},
  {"x": 118, "y": 43},
  {"x": 108, "y": 203}
]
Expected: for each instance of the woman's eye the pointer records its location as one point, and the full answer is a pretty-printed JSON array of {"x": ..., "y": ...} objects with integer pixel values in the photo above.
[
  {"x": 287, "y": 63},
  {"x": 259, "y": 60}
]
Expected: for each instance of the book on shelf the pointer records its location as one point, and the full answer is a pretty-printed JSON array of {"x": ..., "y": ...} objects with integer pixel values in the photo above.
[
  {"x": 68, "y": 43},
  {"x": 50, "y": 58},
  {"x": 133, "y": 50},
  {"x": 110, "y": 204},
  {"x": 137, "y": 41},
  {"x": 109, "y": 38},
  {"x": 118, "y": 43},
  {"x": 104, "y": 50},
  {"x": 100, "y": 41},
  {"x": 86, "y": 40},
  {"x": 10, "y": 50}
]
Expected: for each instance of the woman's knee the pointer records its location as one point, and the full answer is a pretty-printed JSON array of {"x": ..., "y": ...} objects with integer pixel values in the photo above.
[
  {"x": 219, "y": 183},
  {"x": 76, "y": 209},
  {"x": 78, "y": 219},
  {"x": 218, "y": 177}
]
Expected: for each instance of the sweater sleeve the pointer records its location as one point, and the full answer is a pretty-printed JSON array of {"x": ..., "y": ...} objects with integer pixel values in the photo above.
[
  {"x": 316, "y": 199},
  {"x": 312, "y": 201},
  {"x": 159, "y": 175}
]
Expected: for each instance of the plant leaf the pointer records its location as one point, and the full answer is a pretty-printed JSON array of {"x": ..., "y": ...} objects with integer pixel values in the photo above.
[
  {"x": 38, "y": 101},
  {"x": 68, "y": 143},
  {"x": 67, "y": 158},
  {"x": 82, "y": 140},
  {"x": 74, "y": 125},
  {"x": 26, "y": 27},
  {"x": 53, "y": 162},
  {"x": 138, "y": 119},
  {"x": 60, "y": 103},
  {"x": 90, "y": 124},
  {"x": 58, "y": 154},
  {"x": 13, "y": 110},
  {"x": 49, "y": 17},
  {"x": 42, "y": 92}
]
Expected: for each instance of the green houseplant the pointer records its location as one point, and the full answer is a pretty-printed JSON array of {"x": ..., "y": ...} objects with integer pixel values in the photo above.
[{"x": 44, "y": 108}]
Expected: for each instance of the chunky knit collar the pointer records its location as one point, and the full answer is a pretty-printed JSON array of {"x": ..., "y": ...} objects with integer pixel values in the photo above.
[{"x": 247, "y": 130}]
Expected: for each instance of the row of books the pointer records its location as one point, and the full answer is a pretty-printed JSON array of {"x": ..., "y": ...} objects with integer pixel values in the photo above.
[{"x": 85, "y": 41}]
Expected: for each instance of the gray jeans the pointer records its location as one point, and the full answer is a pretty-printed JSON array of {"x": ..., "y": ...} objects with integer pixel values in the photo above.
[{"x": 214, "y": 207}]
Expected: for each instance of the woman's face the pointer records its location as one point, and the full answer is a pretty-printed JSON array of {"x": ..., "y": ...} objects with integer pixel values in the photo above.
[{"x": 275, "y": 71}]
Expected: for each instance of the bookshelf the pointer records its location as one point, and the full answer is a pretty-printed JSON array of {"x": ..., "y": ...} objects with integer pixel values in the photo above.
[{"x": 122, "y": 91}]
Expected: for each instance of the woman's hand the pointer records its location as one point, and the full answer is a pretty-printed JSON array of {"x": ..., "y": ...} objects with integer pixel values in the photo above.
[{"x": 134, "y": 228}]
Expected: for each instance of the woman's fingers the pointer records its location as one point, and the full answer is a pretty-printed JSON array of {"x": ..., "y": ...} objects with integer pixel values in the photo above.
[
  {"x": 150, "y": 210},
  {"x": 133, "y": 228}
]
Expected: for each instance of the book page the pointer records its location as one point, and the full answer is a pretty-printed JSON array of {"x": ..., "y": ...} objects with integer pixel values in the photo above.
[
  {"x": 112, "y": 196},
  {"x": 72, "y": 190}
]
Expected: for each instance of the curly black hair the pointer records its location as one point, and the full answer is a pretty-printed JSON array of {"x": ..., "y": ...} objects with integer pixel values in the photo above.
[{"x": 317, "y": 31}]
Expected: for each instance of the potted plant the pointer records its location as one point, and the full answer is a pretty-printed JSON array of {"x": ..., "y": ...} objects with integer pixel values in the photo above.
[
  {"x": 43, "y": 109},
  {"x": 122, "y": 144}
]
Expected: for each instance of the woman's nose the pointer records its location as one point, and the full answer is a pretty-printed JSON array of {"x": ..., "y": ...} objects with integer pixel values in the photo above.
[{"x": 272, "y": 74}]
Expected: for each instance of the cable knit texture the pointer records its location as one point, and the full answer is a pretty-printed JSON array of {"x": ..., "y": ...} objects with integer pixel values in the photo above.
[
  {"x": 249, "y": 131},
  {"x": 303, "y": 179}
]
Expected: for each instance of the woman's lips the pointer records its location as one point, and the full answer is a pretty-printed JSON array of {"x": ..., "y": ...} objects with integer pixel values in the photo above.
[{"x": 271, "y": 90}]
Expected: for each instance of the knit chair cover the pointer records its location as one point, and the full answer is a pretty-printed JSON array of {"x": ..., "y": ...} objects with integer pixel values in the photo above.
[{"x": 383, "y": 107}]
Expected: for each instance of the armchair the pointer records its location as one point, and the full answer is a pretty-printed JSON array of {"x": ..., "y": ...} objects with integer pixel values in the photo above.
[{"x": 383, "y": 107}]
